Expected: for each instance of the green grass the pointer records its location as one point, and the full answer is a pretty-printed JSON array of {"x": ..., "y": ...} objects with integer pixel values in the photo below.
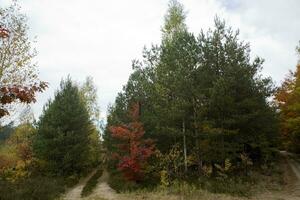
[
  {"x": 236, "y": 186},
  {"x": 33, "y": 188},
  {"x": 91, "y": 184},
  {"x": 233, "y": 186},
  {"x": 119, "y": 184}
]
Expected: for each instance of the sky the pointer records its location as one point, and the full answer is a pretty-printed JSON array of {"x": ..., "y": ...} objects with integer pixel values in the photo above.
[{"x": 100, "y": 38}]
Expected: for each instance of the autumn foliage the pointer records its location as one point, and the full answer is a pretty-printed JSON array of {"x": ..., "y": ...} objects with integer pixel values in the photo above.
[
  {"x": 4, "y": 33},
  {"x": 288, "y": 100},
  {"x": 12, "y": 93},
  {"x": 25, "y": 94},
  {"x": 16, "y": 154},
  {"x": 133, "y": 149}
]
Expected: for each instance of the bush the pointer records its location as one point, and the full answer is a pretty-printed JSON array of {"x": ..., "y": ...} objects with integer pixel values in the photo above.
[
  {"x": 91, "y": 184},
  {"x": 118, "y": 183},
  {"x": 33, "y": 188},
  {"x": 233, "y": 186},
  {"x": 72, "y": 180}
]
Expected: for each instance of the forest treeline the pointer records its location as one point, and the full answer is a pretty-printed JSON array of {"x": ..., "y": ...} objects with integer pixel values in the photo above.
[
  {"x": 202, "y": 101},
  {"x": 195, "y": 109}
]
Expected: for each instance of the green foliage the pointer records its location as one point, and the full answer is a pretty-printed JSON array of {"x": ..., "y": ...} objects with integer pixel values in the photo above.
[
  {"x": 174, "y": 19},
  {"x": 170, "y": 164},
  {"x": 5, "y": 132},
  {"x": 91, "y": 184},
  {"x": 63, "y": 132},
  {"x": 206, "y": 95},
  {"x": 120, "y": 184},
  {"x": 32, "y": 188},
  {"x": 88, "y": 93},
  {"x": 16, "y": 52},
  {"x": 16, "y": 154},
  {"x": 234, "y": 186}
]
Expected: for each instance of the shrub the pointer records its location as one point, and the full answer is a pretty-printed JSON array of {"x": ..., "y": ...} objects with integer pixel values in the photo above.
[
  {"x": 118, "y": 183},
  {"x": 33, "y": 188},
  {"x": 235, "y": 185}
]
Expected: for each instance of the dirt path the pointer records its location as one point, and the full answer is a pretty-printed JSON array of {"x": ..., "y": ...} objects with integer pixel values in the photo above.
[
  {"x": 291, "y": 191},
  {"x": 103, "y": 190},
  {"x": 75, "y": 192},
  {"x": 295, "y": 167}
]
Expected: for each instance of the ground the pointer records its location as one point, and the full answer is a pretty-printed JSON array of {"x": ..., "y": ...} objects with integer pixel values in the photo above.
[
  {"x": 75, "y": 192},
  {"x": 290, "y": 190}
]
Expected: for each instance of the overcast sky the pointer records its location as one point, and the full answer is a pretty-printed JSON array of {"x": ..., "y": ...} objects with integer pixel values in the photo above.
[{"x": 100, "y": 38}]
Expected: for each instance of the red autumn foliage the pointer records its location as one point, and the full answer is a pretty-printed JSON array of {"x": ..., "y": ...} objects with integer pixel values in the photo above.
[
  {"x": 4, "y": 33},
  {"x": 24, "y": 94},
  {"x": 134, "y": 150}
]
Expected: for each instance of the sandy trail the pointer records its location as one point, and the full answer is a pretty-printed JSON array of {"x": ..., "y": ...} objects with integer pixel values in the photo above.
[
  {"x": 103, "y": 190},
  {"x": 75, "y": 192},
  {"x": 292, "y": 175},
  {"x": 295, "y": 166}
]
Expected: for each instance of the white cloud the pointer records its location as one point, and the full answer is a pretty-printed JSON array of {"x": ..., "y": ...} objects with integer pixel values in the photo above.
[{"x": 100, "y": 38}]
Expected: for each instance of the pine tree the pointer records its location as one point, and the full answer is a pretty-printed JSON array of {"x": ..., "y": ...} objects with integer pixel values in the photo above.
[
  {"x": 237, "y": 97},
  {"x": 203, "y": 93},
  {"x": 63, "y": 132}
]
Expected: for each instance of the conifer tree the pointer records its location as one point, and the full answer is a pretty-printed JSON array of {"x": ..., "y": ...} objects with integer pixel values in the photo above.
[
  {"x": 203, "y": 93},
  {"x": 63, "y": 132}
]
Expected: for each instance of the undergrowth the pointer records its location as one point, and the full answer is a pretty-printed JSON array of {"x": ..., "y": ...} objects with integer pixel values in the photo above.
[
  {"x": 238, "y": 186},
  {"x": 33, "y": 188}
]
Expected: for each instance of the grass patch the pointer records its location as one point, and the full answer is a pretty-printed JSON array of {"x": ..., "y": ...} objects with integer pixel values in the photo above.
[
  {"x": 91, "y": 184},
  {"x": 33, "y": 188},
  {"x": 234, "y": 186},
  {"x": 177, "y": 191},
  {"x": 258, "y": 181},
  {"x": 119, "y": 184}
]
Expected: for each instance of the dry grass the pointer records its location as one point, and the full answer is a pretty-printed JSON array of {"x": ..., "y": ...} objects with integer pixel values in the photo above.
[
  {"x": 279, "y": 186},
  {"x": 196, "y": 195}
]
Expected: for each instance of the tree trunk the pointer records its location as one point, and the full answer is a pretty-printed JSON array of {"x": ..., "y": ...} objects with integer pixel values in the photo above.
[
  {"x": 197, "y": 140},
  {"x": 184, "y": 147}
]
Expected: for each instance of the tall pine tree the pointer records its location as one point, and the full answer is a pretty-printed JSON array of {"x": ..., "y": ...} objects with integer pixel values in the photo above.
[
  {"x": 63, "y": 132},
  {"x": 204, "y": 94}
]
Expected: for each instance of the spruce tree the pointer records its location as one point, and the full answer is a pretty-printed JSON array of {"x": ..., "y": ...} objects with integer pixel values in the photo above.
[
  {"x": 238, "y": 115},
  {"x": 63, "y": 132}
]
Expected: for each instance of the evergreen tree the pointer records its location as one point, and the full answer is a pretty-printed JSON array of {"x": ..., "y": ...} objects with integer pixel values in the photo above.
[
  {"x": 63, "y": 132},
  {"x": 236, "y": 97},
  {"x": 202, "y": 94}
]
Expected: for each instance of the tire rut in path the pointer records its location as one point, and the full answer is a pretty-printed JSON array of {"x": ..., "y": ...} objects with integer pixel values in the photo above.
[
  {"x": 291, "y": 190},
  {"x": 75, "y": 192},
  {"x": 103, "y": 190}
]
